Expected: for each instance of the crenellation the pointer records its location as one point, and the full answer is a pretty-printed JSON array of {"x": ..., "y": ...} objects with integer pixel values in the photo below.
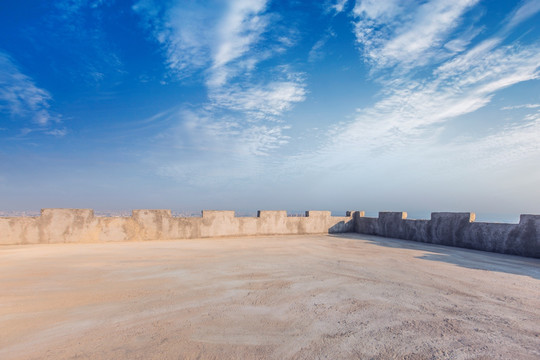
[{"x": 354, "y": 213}]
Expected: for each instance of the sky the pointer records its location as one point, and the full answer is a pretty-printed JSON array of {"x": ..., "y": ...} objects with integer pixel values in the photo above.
[{"x": 375, "y": 105}]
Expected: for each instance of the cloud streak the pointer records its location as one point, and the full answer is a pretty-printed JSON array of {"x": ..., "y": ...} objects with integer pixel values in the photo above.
[
  {"x": 20, "y": 97},
  {"x": 336, "y": 6},
  {"x": 223, "y": 151},
  {"x": 457, "y": 88},
  {"x": 394, "y": 33},
  {"x": 224, "y": 42},
  {"x": 525, "y": 11},
  {"x": 524, "y": 106},
  {"x": 183, "y": 32},
  {"x": 413, "y": 111},
  {"x": 216, "y": 37},
  {"x": 263, "y": 101},
  {"x": 240, "y": 28}
]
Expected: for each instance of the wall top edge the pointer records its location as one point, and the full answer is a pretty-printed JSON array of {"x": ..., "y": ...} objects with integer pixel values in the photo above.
[
  {"x": 383, "y": 215},
  {"x": 438, "y": 216},
  {"x": 168, "y": 212}
]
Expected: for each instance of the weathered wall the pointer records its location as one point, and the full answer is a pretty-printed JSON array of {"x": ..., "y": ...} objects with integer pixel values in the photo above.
[
  {"x": 457, "y": 229},
  {"x": 80, "y": 225},
  {"x": 454, "y": 229}
]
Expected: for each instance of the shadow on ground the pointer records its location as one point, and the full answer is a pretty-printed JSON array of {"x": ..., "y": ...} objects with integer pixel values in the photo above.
[{"x": 472, "y": 259}]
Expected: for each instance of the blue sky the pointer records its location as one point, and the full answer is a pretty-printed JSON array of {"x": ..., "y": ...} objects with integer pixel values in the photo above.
[{"x": 340, "y": 105}]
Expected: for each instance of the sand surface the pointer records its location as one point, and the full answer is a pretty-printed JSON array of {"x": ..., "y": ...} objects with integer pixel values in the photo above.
[{"x": 285, "y": 297}]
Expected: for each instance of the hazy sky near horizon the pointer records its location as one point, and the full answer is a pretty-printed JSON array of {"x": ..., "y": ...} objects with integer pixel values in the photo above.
[{"x": 257, "y": 104}]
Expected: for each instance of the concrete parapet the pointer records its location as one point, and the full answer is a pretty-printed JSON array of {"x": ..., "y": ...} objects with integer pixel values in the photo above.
[
  {"x": 19, "y": 230},
  {"x": 152, "y": 224},
  {"x": 444, "y": 228},
  {"x": 213, "y": 214},
  {"x": 449, "y": 228},
  {"x": 80, "y": 225},
  {"x": 319, "y": 214},
  {"x": 66, "y": 225},
  {"x": 391, "y": 224},
  {"x": 271, "y": 214},
  {"x": 458, "y": 229}
]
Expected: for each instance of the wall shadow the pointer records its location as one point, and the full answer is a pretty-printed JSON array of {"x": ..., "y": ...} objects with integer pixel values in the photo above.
[
  {"x": 341, "y": 227},
  {"x": 467, "y": 258}
]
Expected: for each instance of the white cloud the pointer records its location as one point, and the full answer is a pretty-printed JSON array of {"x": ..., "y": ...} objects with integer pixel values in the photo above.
[
  {"x": 398, "y": 33},
  {"x": 183, "y": 32},
  {"x": 202, "y": 151},
  {"x": 526, "y": 10},
  {"x": 19, "y": 95},
  {"x": 216, "y": 37},
  {"x": 225, "y": 42},
  {"x": 218, "y": 132},
  {"x": 316, "y": 52},
  {"x": 261, "y": 101},
  {"x": 412, "y": 113},
  {"x": 379, "y": 10},
  {"x": 491, "y": 68},
  {"x": 240, "y": 28},
  {"x": 461, "y": 42},
  {"x": 524, "y": 106},
  {"x": 57, "y": 132},
  {"x": 336, "y": 6},
  {"x": 514, "y": 143}
]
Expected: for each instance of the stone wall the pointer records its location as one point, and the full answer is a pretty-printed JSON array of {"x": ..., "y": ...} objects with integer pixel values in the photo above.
[
  {"x": 80, "y": 225},
  {"x": 457, "y": 229}
]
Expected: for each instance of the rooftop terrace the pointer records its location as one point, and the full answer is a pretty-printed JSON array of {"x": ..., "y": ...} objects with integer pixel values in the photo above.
[{"x": 274, "y": 297}]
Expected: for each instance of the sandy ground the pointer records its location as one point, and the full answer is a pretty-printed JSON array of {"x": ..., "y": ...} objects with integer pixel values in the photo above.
[{"x": 295, "y": 297}]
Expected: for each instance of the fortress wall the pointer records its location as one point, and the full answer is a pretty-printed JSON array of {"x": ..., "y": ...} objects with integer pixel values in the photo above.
[
  {"x": 80, "y": 225},
  {"x": 457, "y": 229}
]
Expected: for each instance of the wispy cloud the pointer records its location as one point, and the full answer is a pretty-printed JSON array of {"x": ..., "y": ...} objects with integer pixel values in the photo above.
[
  {"x": 57, "y": 132},
  {"x": 317, "y": 53},
  {"x": 409, "y": 110},
  {"x": 413, "y": 110},
  {"x": 513, "y": 143},
  {"x": 525, "y": 11},
  {"x": 336, "y": 6},
  {"x": 213, "y": 37},
  {"x": 404, "y": 33},
  {"x": 201, "y": 151},
  {"x": 240, "y": 29},
  {"x": 262, "y": 101},
  {"x": 523, "y": 106},
  {"x": 223, "y": 43},
  {"x": 222, "y": 137},
  {"x": 444, "y": 73},
  {"x": 185, "y": 33},
  {"x": 20, "y": 96}
]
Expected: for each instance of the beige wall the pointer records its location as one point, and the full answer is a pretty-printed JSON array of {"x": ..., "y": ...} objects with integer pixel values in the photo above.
[{"x": 80, "y": 225}]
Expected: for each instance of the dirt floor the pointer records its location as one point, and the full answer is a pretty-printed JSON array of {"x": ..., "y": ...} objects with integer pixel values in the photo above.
[{"x": 284, "y": 297}]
